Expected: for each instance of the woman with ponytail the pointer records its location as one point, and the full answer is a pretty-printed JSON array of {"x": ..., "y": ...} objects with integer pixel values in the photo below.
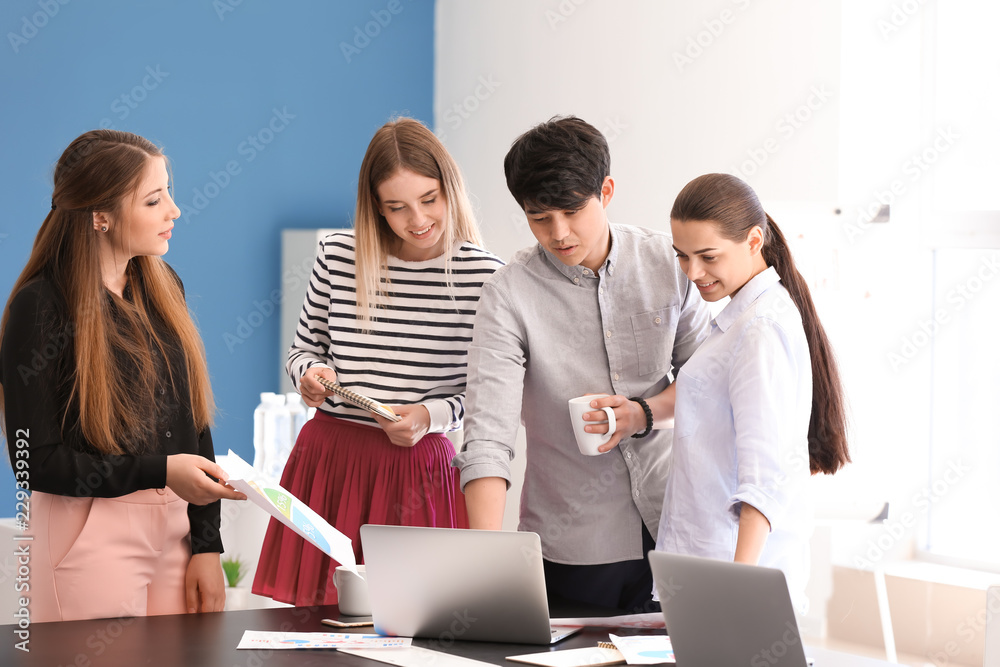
[
  {"x": 759, "y": 406},
  {"x": 105, "y": 398}
]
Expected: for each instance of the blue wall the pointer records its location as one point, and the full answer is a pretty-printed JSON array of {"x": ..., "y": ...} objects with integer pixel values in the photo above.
[{"x": 286, "y": 95}]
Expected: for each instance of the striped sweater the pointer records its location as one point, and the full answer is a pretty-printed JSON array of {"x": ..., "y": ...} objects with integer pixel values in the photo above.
[{"x": 415, "y": 349}]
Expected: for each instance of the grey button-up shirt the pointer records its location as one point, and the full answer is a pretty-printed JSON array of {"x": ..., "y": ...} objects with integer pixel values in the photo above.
[{"x": 546, "y": 332}]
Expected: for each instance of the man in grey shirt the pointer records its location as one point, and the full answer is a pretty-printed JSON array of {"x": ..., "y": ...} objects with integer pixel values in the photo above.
[{"x": 592, "y": 308}]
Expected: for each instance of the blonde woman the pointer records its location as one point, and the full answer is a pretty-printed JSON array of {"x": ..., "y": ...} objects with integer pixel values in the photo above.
[
  {"x": 106, "y": 398},
  {"x": 388, "y": 313}
]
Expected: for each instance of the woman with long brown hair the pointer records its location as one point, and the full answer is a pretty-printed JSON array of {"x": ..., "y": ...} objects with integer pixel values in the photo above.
[
  {"x": 759, "y": 406},
  {"x": 388, "y": 314},
  {"x": 106, "y": 401}
]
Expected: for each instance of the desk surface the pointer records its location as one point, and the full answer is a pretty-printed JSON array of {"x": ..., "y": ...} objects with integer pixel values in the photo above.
[{"x": 209, "y": 640}]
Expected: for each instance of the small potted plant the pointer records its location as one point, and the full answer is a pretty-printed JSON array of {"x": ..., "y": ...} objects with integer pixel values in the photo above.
[{"x": 234, "y": 570}]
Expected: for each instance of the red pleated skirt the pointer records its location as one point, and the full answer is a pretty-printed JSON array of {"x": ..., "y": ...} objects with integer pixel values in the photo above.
[{"x": 350, "y": 474}]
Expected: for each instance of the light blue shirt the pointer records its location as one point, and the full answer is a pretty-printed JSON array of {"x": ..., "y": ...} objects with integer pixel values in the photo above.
[{"x": 741, "y": 427}]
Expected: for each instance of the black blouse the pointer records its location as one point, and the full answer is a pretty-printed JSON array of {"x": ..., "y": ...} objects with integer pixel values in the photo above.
[{"x": 37, "y": 365}]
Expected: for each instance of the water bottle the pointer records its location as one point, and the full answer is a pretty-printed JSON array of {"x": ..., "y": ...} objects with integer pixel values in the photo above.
[
  {"x": 259, "y": 448},
  {"x": 277, "y": 437},
  {"x": 298, "y": 413}
]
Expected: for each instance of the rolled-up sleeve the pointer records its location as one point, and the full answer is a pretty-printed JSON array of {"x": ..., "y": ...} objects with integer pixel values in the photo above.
[
  {"x": 770, "y": 447},
  {"x": 495, "y": 385}
]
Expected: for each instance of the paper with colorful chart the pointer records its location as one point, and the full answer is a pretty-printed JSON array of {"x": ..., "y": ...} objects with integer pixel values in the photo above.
[
  {"x": 289, "y": 510},
  {"x": 645, "y": 649},
  {"x": 253, "y": 639}
]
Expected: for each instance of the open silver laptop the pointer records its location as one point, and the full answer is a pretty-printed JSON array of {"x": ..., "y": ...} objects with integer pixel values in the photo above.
[
  {"x": 449, "y": 584},
  {"x": 723, "y": 613}
]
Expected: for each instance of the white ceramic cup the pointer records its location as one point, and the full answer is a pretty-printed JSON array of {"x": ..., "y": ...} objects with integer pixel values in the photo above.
[
  {"x": 352, "y": 591},
  {"x": 589, "y": 442}
]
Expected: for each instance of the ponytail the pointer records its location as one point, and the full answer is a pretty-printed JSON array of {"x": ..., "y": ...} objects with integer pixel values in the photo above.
[
  {"x": 828, "y": 450},
  {"x": 735, "y": 209}
]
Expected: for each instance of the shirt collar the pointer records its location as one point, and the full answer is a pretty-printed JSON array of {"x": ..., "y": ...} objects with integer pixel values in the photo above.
[
  {"x": 756, "y": 286},
  {"x": 577, "y": 271}
]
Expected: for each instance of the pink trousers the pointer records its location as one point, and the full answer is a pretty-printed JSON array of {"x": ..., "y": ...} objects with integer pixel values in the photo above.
[{"x": 108, "y": 557}]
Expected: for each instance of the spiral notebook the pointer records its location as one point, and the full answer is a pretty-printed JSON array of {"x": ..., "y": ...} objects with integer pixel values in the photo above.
[{"x": 360, "y": 401}]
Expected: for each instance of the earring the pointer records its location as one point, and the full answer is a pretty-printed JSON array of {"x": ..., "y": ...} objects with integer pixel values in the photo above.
[{"x": 104, "y": 228}]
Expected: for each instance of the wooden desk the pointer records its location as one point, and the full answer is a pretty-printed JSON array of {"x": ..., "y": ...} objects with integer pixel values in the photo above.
[{"x": 209, "y": 640}]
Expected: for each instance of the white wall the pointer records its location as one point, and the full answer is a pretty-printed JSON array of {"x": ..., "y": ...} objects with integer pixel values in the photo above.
[
  {"x": 613, "y": 64},
  {"x": 502, "y": 67}
]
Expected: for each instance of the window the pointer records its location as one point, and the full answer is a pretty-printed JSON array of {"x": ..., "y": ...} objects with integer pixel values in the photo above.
[
  {"x": 964, "y": 471},
  {"x": 961, "y": 211}
]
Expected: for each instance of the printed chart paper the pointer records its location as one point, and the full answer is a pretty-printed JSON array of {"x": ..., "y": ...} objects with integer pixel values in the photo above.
[
  {"x": 289, "y": 510},
  {"x": 645, "y": 649},
  {"x": 252, "y": 639}
]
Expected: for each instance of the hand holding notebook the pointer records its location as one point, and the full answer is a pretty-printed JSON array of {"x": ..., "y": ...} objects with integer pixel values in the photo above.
[{"x": 358, "y": 400}]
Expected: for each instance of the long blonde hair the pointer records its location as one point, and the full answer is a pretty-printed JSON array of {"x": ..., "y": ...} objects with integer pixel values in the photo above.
[
  {"x": 402, "y": 143},
  {"x": 101, "y": 171}
]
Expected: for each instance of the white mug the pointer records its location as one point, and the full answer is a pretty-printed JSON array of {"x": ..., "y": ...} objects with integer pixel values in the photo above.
[
  {"x": 352, "y": 591},
  {"x": 589, "y": 442}
]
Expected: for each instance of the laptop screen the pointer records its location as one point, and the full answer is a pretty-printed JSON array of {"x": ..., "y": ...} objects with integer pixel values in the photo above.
[
  {"x": 723, "y": 613},
  {"x": 451, "y": 584}
]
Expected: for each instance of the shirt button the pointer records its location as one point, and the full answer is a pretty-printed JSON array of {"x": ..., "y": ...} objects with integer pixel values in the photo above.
[
  {"x": 168, "y": 434},
  {"x": 576, "y": 280},
  {"x": 657, "y": 320},
  {"x": 608, "y": 333},
  {"x": 609, "y": 271},
  {"x": 636, "y": 493},
  {"x": 600, "y": 290},
  {"x": 628, "y": 455},
  {"x": 616, "y": 376}
]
